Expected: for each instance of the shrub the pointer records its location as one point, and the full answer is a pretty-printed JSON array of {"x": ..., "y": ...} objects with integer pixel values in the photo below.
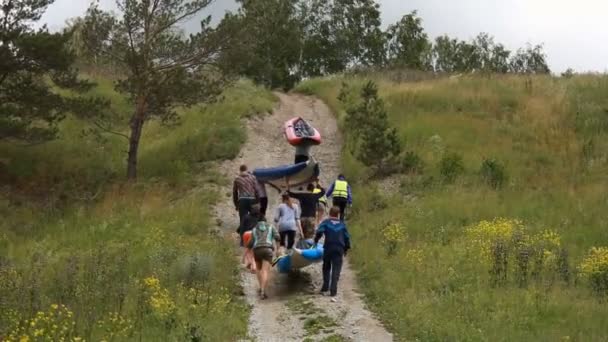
[
  {"x": 374, "y": 142},
  {"x": 412, "y": 163},
  {"x": 377, "y": 201},
  {"x": 493, "y": 173},
  {"x": 451, "y": 166},
  {"x": 595, "y": 269}
]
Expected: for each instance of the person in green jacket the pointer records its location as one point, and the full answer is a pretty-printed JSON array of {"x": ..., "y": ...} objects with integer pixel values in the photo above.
[{"x": 263, "y": 242}]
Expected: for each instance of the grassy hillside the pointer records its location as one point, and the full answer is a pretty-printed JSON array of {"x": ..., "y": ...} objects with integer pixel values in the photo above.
[
  {"x": 469, "y": 259},
  {"x": 82, "y": 254}
]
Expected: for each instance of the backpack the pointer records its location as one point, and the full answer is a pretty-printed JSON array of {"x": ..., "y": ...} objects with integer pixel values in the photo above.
[{"x": 263, "y": 235}]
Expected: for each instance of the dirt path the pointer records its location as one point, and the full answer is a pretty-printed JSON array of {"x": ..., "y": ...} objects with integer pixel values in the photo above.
[{"x": 295, "y": 311}]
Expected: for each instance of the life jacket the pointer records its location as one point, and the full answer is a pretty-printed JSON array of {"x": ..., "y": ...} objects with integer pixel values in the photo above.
[
  {"x": 263, "y": 235},
  {"x": 323, "y": 199},
  {"x": 340, "y": 189}
]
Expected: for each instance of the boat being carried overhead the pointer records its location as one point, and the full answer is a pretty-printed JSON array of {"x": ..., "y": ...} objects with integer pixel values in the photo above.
[
  {"x": 296, "y": 174},
  {"x": 298, "y": 132}
]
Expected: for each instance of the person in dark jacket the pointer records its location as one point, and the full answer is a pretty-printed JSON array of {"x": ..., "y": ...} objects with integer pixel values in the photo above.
[
  {"x": 262, "y": 197},
  {"x": 309, "y": 203},
  {"x": 336, "y": 245},
  {"x": 302, "y": 153}
]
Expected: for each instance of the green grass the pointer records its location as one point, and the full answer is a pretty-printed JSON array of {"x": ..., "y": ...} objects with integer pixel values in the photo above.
[
  {"x": 129, "y": 261},
  {"x": 551, "y": 136},
  {"x": 318, "y": 324},
  {"x": 335, "y": 338}
]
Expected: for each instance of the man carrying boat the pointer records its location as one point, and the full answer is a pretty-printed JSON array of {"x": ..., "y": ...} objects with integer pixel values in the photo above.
[
  {"x": 309, "y": 201},
  {"x": 244, "y": 193}
]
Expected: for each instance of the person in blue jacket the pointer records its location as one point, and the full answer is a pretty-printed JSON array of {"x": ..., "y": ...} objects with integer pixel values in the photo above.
[
  {"x": 336, "y": 245},
  {"x": 341, "y": 194}
]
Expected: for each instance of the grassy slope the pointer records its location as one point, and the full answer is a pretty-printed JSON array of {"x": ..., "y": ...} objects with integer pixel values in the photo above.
[
  {"x": 59, "y": 246},
  {"x": 431, "y": 289}
]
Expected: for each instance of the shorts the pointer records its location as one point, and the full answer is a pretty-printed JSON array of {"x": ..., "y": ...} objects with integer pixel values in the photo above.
[{"x": 263, "y": 254}]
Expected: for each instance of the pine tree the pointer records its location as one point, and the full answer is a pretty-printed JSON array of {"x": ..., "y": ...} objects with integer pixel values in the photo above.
[
  {"x": 32, "y": 63},
  {"x": 377, "y": 144}
]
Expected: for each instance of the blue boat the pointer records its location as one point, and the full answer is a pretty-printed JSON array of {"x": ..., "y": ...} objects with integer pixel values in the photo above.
[
  {"x": 295, "y": 174},
  {"x": 299, "y": 258}
]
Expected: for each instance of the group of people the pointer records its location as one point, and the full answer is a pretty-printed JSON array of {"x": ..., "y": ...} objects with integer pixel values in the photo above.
[{"x": 304, "y": 221}]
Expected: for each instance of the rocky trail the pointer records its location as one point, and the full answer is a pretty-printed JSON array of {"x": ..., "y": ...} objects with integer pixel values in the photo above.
[{"x": 295, "y": 311}]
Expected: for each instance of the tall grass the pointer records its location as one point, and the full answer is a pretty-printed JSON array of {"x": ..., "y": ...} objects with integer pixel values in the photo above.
[
  {"x": 127, "y": 261},
  {"x": 548, "y": 135}
]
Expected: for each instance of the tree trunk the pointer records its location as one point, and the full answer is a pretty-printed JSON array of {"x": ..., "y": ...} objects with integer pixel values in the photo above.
[{"x": 137, "y": 125}]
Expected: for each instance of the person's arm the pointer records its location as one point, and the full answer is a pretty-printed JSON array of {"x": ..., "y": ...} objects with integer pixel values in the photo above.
[
  {"x": 299, "y": 222},
  {"x": 319, "y": 233},
  {"x": 277, "y": 215},
  {"x": 295, "y": 195},
  {"x": 350, "y": 195},
  {"x": 346, "y": 240},
  {"x": 330, "y": 191},
  {"x": 319, "y": 195},
  {"x": 235, "y": 195}
]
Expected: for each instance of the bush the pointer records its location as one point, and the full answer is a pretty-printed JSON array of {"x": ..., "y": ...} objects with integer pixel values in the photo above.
[
  {"x": 412, "y": 163},
  {"x": 493, "y": 173},
  {"x": 451, "y": 166},
  {"x": 375, "y": 143}
]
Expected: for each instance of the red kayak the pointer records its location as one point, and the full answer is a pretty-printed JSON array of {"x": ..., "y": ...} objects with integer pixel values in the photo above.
[{"x": 298, "y": 132}]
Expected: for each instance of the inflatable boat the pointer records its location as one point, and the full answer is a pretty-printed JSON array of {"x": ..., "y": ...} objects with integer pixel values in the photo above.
[
  {"x": 299, "y": 258},
  {"x": 296, "y": 174},
  {"x": 299, "y": 132}
]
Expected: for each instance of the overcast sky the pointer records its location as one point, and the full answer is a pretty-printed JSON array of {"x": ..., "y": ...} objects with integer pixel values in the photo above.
[{"x": 575, "y": 33}]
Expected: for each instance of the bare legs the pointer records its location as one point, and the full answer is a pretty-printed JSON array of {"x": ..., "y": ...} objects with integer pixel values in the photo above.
[{"x": 263, "y": 274}]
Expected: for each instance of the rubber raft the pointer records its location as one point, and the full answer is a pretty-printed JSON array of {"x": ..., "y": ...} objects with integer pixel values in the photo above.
[
  {"x": 295, "y": 174},
  {"x": 299, "y": 132},
  {"x": 299, "y": 258}
]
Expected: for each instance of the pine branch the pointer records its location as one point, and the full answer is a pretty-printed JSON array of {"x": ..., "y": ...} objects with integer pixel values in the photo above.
[{"x": 108, "y": 130}]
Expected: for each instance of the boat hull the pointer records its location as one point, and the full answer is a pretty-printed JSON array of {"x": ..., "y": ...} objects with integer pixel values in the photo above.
[
  {"x": 295, "y": 175},
  {"x": 299, "y": 258}
]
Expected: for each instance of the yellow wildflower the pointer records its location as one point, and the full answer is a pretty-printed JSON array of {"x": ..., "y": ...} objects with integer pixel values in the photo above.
[{"x": 596, "y": 262}]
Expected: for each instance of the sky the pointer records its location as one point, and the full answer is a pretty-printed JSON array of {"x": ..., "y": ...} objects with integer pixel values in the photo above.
[{"x": 574, "y": 33}]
